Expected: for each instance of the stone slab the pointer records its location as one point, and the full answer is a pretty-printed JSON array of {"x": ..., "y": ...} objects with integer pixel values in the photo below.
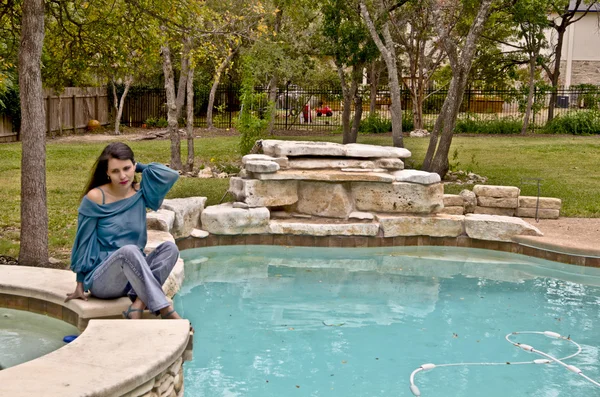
[
  {"x": 187, "y": 214},
  {"x": 434, "y": 226},
  {"x": 326, "y": 176},
  {"x": 549, "y": 203},
  {"x": 199, "y": 233},
  {"x": 156, "y": 238},
  {"x": 282, "y": 161},
  {"x": 495, "y": 211},
  {"x": 261, "y": 166},
  {"x": 224, "y": 219},
  {"x": 498, "y": 228},
  {"x": 160, "y": 220},
  {"x": 498, "y": 202},
  {"x": 469, "y": 200},
  {"x": 389, "y": 164},
  {"x": 173, "y": 283},
  {"x": 453, "y": 200},
  {"x": 398, "y": 197},
  {"x": 363, "y": 216},
  {"x": 542, "y": 213},
  {"x": 268, "y": 193},
  {"x": 330, "y": 200},
  {"x": 496, "y": 191},
  {"x": 276, "y": 148},
  {"x": 329, "y": 163},
  {"x": 363, "y": 170},
  {"x": 323, "y": 229},
  {"x": 416, "y": 176},
  {"x": 453, "y": 210}
]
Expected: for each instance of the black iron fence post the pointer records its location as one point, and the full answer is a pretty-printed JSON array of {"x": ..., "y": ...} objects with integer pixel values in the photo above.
[{"x": 287, "y": 87}]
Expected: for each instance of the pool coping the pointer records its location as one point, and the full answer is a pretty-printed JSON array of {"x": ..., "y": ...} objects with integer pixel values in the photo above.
[
  {"x": 149, "y": 347},
  {"x": 520, "y": 244}
]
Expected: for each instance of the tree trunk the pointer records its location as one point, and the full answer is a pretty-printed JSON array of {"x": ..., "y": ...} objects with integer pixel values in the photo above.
[
  {"x": 387, "y": 49},
  {"x": 213, "y": 89},
  {"x": 120, "y": 103},
  {"x": 175, "y": 162},
  {"x": 347, "y": 96},
  {"x": 183, "y": 77},
  {"x": 461, "y": 66},
  {"x": 556, "y": 73},
  {"x": 374, "y": 74},
  {"x": 529, "y": 94},
  {"x": 356, "y": 80},
  {"x": 190, "y": 120},
  {"x": 33, "y": 250},
  {"x": 272, "y": 99}
]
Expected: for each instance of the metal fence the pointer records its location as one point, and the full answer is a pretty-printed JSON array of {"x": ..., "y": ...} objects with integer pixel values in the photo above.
[{"x": 321, "y": 108}]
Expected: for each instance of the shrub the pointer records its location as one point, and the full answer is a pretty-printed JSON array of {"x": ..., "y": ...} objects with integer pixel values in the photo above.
[
  {"x": 162, "y": 123},
  {"x": 498, "y": 126},
  {"x": 375, "y": 124},
  {"x": 577, "y": 123}
]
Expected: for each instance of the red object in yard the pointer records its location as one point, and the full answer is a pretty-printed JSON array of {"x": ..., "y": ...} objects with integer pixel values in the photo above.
[
  {"x": 324, "y": 110},
  {"x": 306, "y": 113}
]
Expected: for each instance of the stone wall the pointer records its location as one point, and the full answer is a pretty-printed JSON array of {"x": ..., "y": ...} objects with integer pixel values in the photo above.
[
  {"x": 169, "y": 383},
  {"x": 582, "y": 72}
]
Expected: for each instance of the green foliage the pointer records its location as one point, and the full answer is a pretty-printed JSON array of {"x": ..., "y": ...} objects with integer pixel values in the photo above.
[
  {"x": 157, "y": 122},
  {"x": 374, "y": 124},
  {"x": 495, "y": 126},
  {"x": 576, "y": 123},
  {"x": 10, "y": 105},
  {"x": 589, "y": 98},
  {"x": 254, "y": 115}
]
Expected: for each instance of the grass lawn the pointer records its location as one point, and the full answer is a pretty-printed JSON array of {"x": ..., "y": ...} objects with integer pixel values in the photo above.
[{"x": 568, "y": 167}]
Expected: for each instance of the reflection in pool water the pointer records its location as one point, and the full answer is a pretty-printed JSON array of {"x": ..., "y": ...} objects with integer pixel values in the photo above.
[
  {"x": 275, "y": 321},
  {"x": 25, "y": 336}
]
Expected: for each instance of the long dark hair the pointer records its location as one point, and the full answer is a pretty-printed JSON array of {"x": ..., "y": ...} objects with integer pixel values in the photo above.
[{"x": 99, "y": 177}]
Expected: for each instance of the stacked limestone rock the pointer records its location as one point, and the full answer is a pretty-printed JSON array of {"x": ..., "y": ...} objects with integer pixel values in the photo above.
[
  {"x": 542, "y": 208},
  {"x": 323, "y": 188},
  {"x": 496, "y": 200}
]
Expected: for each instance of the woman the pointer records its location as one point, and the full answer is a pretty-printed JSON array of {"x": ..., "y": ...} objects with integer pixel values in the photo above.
[{"x": 111, "y": 234}]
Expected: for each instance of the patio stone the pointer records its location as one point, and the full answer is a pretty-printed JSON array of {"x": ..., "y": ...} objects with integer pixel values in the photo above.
[
  {"x": 224, "y": 219},
  {"x": 496, "y": 191},
  {"x": 323, "y": 229},
  {"x": 187, "y": 214},
  {"x": 544, "y": 202},
  {"x": 434, "y": 226},
  {"x": 160, "y": 220},
  {"x": 498, "y": 228},
  {"x": 324, "y": 199},
  {"x": 398, "y": 197},
  {"x": 258, "y": 193}
]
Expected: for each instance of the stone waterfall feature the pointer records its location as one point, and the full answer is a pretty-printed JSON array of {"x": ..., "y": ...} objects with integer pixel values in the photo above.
[{"x": 325, "y": 189}]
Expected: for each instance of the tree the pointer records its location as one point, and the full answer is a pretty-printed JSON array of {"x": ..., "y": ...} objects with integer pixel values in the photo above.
[
  {"x": 565, "y": 13},
  {"x": 422, "y": 48},
  {"x": 351, "y": 47},
  {"x": 460, "y": 48},
  {"x": 34, "y": 213},
  {"x": 530, "y": 18},
  {"x": 387, "y": 47}
]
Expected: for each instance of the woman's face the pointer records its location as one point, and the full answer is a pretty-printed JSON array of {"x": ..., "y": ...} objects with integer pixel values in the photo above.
[{"x": 121, "y": 173}]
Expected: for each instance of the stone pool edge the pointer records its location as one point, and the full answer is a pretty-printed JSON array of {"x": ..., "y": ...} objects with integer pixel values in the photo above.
[{"x": 520, "y": 245}]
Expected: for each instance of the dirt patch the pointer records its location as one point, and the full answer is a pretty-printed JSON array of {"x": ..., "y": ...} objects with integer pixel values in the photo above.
[{"x": 582, "y": 233}]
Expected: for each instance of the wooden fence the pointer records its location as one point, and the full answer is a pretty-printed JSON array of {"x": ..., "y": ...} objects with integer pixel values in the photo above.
[{"x": 73, "y": 109}]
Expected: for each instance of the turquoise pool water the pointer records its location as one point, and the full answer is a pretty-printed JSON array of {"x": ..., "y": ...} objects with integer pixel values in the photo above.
[
  {"x": 276, "y": 321},
  {"x": 25, "y": 336}
]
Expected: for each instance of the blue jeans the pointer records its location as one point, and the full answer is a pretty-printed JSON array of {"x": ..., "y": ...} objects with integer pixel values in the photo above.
[{"x": 126, "y": 272}]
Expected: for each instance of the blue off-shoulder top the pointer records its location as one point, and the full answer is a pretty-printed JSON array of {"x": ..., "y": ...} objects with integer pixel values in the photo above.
[{"x": 104, "y": 228}]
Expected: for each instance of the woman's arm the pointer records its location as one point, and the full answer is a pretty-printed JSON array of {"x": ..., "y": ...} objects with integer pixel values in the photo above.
[{"x": 157, "y": 180}]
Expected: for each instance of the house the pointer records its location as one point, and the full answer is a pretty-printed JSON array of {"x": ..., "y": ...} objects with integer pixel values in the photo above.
[{"x": 580, "y": 62}]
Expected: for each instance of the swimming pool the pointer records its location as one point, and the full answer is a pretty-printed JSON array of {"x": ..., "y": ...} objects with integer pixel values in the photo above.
[
  {"x": 25, "y": 336},
  {"x": 276, "y": 321}
]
